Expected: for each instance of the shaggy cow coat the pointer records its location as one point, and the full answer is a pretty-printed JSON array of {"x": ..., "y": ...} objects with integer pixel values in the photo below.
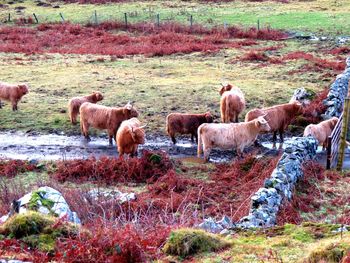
[
  {"x": 321, "y": 131},
  {"x": 104, "y": 118},
  {"x": 12, "y": 93},
  {"x": 75, "y": 103}
]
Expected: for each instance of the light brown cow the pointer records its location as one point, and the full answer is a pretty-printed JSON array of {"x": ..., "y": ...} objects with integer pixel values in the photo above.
[
  {"x": 232, "y": 103},
  {"x": 321, "y": 131},
  {"x": 186, "y": 124},
  {"x": 12, "y": 93},
  {"x": 129, "y": 135},
  {"x": 102, "y": 117},
  {"x": 229, "y": 135},
  {"x": 278, "y": 117},
  {"x": 75, "y": 103}
]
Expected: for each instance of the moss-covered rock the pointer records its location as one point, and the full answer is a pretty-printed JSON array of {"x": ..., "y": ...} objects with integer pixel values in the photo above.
[
  {"x": 26, "y": 224},
  {"x": 186, "y": 242}
]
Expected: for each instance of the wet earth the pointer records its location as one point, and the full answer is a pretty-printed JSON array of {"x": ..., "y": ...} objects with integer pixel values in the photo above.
[
  {"x": 46, "y": 147},
  {"x": 19, "y": 145}
]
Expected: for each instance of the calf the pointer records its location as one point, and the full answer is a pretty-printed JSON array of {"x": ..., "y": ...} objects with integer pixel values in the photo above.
[
  {"x": 232, "y": 103},
  {"x": 75, "y": 103},
  {"x": 321, "y": 131},
  {"x": 279, "y": 116},
  {"x": 129, "y": 135},
  {"x": 229, "y": 135},
  {"x": 12, "y": 93},
  {"x": 104, "y": 118},
  {"x": 186, "y": 124}
]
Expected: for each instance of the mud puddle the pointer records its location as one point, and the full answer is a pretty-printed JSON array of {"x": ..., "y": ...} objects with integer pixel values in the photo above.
[{"x": 17, "y": 145}]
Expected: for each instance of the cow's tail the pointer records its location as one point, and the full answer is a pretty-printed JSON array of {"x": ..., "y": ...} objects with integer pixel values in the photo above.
[{"x": 199, "y": 147}]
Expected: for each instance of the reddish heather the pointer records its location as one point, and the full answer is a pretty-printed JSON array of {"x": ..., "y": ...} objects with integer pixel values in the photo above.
[
  {"x": 315, "y": 191},
  {"x": 11, "y": 168},
  {"x": 147, "y": 39}
]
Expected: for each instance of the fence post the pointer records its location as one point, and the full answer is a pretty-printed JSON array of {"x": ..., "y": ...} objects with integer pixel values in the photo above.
[
  {"x": 329, "y": 152},
  {"x": 158, "y": 20},
  {"x": 258, "y": 24},
  {"x": 344, "y": 131},
  {"x": 126, "y": 20},
  {"x": 225, "y": 25},
  {"x": 62, "y": 17},
  {"x": 36, "y": 19},
  {"x": 96, "y": 17},
  {"x": 9, "y": 18},
  {"x": 191, "y": 21}
]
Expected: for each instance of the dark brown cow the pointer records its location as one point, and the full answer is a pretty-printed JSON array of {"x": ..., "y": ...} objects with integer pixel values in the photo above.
[{"x": 182, "y": 123}]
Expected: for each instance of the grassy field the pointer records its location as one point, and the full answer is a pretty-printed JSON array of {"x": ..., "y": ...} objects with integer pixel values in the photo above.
[
  {"x": 159, "y": 85},
  {"x": 326, "y": 16}
]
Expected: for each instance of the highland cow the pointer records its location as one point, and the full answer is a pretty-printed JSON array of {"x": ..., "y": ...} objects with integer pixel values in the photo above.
[
  {"x": 12, "y": 93},
  {"x": 75, "y": 103},
  {"x": 186, "y": 124},
  {"x": 129, "y": 135},
  {"x": 102, "y": 117},
  {"x": 232, "y": 103},
  {"x": 278, "y": 117},
  {"x": 321, "y": 131},
  {"x": 229, "y": 135}
]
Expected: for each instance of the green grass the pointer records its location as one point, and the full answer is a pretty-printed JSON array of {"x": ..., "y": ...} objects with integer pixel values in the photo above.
[
  {"x": 177, "y": 83},
  {"x": 282, "y": 244},
  {"x": 312, "y": 16}
]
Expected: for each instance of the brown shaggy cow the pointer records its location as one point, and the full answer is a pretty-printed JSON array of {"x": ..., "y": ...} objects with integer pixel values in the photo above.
[
  {"x": 278, "y": 117},
  {"x": 232, "y": 103},
  {"x": 229, "y": 135},
  {"x": 321, "y": 131},
  {"x": 102, "y": 117},
  {"x": 12, "y": 93},
  {"x": 129, "y": 135},
  {"x": 186, "y": 124},
  {"x": 75, "y": 103}
]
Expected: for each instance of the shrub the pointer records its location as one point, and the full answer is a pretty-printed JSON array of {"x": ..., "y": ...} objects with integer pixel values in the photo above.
[
  {"x": 114, "y": 170},
  {"x": 10, "y": 168},
  {"x": 187, "y": 242},
  {"x": 332, "y": 253}
]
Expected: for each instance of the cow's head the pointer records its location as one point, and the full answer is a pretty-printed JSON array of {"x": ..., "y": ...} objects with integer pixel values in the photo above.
[
  {"x": 130, "y": 111},
  {"x": 208, "y": 117},
  {"x": 138, "y": 134},
  {"x": 262, "y": 124},
  {"x": 23, "y": 88},
  {"x": 333, "y": 122},
  {"x": 224, "y": 88},
  {"x": 97, "y": 96}
]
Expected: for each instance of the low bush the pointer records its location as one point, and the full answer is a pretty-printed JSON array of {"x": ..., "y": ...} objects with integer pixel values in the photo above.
[
  {"x": 10, "y": 168},
  {"x": 187, "y": 242}
]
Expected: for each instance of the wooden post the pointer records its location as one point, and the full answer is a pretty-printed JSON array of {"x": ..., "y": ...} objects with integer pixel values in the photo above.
[
  {"x": 158, "y": 20},
  {"x": 191, "y": 21},
  {"x": 62, "y": 17},
  {"x": 126, "y": 20},
  {"x": 258, "y": 24},
  {"x": 36, "y": 19},
  {"x": 344, "y": 130},
  {"x": 9, "y": 18},
  {"x": 225, "y": 25},
  {"x": 329, "y": 152},
  {"x": 96, "y": 17}
]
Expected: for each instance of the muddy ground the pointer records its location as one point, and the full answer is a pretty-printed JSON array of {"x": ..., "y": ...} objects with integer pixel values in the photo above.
[{"x": 34, "y": 146}]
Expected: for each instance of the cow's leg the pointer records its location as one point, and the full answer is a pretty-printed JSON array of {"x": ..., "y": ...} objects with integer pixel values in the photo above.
[
  {"x": 85, "y": 130},
  {"x": 196, "y": 136},
  {"x": 14, "y": 105},
  {"x": 0, "y": 105},
  {"x": 281, "y": 135},
  {"x": 274, "y": 137},
  {"x": 236, "y": 118},
  {"x": 173, "y": 139},
  {"x": 206, "y": 151}
]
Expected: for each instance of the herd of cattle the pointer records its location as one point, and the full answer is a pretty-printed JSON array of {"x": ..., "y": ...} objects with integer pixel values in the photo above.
[{"x": 122, "y": 124}]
